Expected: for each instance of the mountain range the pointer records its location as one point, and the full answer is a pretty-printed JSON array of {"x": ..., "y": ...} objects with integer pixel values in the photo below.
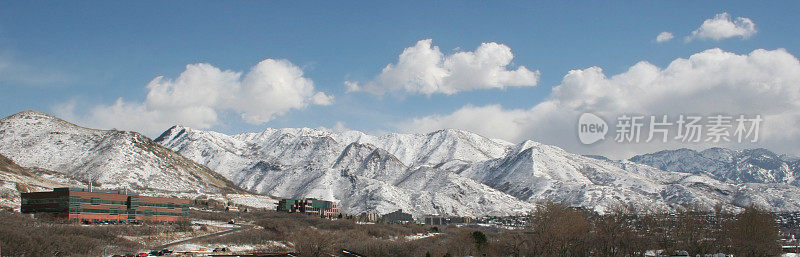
[
  {"x": 734, "y": 166},
  {"x": 446, "y": 172},
  {"x": 455, "y": 172}
]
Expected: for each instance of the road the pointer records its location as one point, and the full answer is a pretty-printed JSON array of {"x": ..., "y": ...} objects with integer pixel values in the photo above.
[{"x": 206, "y": 236}]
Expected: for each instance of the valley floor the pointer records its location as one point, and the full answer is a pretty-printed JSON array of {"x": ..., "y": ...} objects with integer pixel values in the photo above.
[{"x": 553, "y": 230}]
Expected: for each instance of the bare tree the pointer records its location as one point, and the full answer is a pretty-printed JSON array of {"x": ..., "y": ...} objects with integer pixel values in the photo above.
[
  {"x": 512, "y": 243},
  {"x": 615, "y": 234},
  {"x": 557, "y": 230},
  {"x": 693, "y": 231},
  {"x": 314, "y": 243},
  {"x": 754, "y": 233}
]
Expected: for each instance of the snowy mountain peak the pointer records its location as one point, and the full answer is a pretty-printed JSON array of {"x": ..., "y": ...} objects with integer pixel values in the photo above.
[
  {"x": 172, "y": 132},
  {"x": 32, "y": 114},
  {"x": 36, "y": 118}
]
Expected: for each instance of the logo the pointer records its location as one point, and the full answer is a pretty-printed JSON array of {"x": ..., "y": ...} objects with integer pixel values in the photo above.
[{"x": 591, "y": 128}]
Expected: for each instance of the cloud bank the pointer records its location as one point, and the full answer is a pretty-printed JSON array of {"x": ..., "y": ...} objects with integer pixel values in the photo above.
[
  {"x": 424, "y": 69},
  {"x": 196, "y": 97},
  {"x": 763, "y": 82},
  {"x": 722, "y": 27}
]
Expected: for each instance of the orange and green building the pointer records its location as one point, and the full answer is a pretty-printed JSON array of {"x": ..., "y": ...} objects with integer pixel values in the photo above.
[
  {"x": 93, "y": 206},
  {"x": 309, "y": 206}
]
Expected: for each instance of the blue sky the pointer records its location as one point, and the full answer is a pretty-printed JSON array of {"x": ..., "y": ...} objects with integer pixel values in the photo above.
[{"x": 91, "y": 53}]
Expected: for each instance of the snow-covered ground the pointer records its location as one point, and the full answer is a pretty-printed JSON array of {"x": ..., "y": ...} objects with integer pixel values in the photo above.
[
  {"x": 234, "y": 248},
  {"x": 253, "y": 201},
  {"x": 213, "y": 223},
  {"x": 420, "y": 236}
]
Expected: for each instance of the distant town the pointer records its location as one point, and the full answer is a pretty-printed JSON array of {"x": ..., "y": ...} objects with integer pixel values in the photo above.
[{"x": 309, "y": 227}]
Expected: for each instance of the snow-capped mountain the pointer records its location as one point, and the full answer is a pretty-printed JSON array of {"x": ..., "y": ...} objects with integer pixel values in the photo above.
[
  {"x": 735, "y": 166},
  {"x": 452, "y": 172},
  {"x": 109, "y": 159}
]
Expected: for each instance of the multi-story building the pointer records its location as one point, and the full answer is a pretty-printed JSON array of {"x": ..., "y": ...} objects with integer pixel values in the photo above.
[
  {"x": 397, "y": 216},
  {"x": 370, "y": 216},
  {"x": 309, "y": 206},
  {"x": 441, "y": 220},
  {"x": 84, "y": 205}
]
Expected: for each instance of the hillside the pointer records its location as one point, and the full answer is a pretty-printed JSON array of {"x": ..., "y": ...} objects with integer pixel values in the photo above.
[
  {"x": 15, "y": 180},
  {"x": 109, "y": 159}
]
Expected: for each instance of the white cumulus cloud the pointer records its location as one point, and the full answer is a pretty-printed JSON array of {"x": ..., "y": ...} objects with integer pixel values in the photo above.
[
  {"x": 201, "y": 92},
  {"x": 763, "y": 82},
  {"x": 722, "y": 27},
  {"x": 664, "y": 37},
  {"x": 424, "y": 69}
]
